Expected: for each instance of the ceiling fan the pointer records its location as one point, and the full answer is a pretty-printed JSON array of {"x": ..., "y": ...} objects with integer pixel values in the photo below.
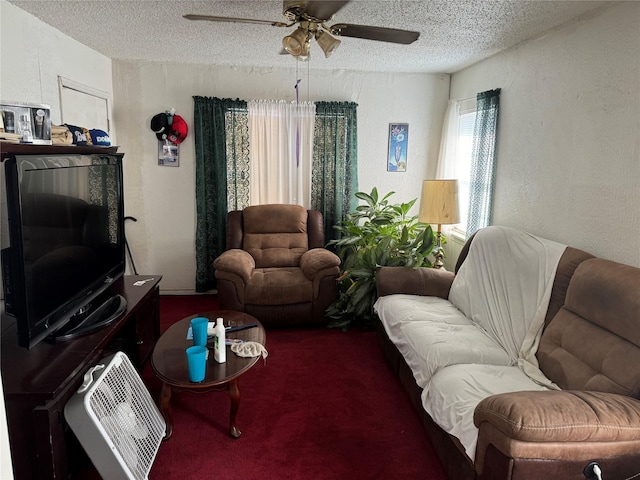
[{"x": 312, "y": 17}]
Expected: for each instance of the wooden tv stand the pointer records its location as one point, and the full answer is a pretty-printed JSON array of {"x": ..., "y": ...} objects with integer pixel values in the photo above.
[{"x": 38, "y": 382}]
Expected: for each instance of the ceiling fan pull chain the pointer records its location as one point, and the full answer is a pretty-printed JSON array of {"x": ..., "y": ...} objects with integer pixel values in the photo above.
[
  {"x": 297, "y": 120},
  {"x": 308, "y": 79}
]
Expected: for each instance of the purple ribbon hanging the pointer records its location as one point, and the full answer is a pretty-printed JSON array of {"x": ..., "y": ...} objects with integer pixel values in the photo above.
[{"x": 297, "y": 126}]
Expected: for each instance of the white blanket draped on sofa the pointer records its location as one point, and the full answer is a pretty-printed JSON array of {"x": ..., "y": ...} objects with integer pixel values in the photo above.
[
  {"x": 486, "y": 343},
  {"x": 504, "y": 287}
]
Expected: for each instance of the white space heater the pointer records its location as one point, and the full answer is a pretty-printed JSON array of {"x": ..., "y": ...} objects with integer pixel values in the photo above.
[{"x": 116, "y": 420}]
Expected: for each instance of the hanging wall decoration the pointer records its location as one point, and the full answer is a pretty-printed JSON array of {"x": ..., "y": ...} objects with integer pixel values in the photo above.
[
  {"x": 170, "y": 130},
  {"x": 398, "y": 141}
]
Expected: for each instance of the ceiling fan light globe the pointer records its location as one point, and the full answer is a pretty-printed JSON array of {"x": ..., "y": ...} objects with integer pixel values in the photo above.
[
  {"x": 328, "y": 43},
  {"x": 294, "y": 43},
  {"x": 305, "y": 54},
  {"x": 292, "y": 46}
]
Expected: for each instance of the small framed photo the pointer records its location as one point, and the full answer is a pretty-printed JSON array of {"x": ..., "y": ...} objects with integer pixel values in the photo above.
[
  {"x": 398, "y": 141},
  {"x": 168, "y": 155}
]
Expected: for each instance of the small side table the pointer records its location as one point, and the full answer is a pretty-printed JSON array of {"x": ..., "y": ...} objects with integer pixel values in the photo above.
[{"x": 169, "y": 362}]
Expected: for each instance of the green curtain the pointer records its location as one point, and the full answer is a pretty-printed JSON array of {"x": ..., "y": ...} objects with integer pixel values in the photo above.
[
  {"x": 483, "y": 161},
  {"x": 218, "y": 186},
  {"x": 334, "y": 174}
]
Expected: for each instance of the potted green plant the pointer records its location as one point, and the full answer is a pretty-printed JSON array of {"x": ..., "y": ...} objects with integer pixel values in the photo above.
[{"x": 377, "y": 234}]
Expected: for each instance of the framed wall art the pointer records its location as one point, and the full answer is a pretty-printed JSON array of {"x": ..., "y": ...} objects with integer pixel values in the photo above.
[{"x": 398, "y": 141}]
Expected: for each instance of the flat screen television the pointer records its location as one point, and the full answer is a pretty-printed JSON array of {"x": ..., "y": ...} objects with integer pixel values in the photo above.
[{"x": 65, "y": 216}]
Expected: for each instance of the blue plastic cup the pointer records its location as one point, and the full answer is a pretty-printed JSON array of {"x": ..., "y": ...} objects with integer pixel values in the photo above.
[
  {"x": 197, "y": 361},
  {"x": 199, "y": 330}
]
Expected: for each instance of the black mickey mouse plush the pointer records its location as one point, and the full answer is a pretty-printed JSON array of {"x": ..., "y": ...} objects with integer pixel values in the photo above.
[{"x": 160, "y": 125}]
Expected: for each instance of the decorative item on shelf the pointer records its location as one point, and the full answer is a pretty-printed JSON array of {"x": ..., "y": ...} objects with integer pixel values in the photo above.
[
  {"x": 68, "y": 134},
  {"x": 61, "y": 135},
  {"x": 25, "y": 123},
  {"x": 439, "y": 205},
  {"x": 80, "y": 135},
  {"x": 99, "y": 138},
  {"x": 170, "y": 130}
]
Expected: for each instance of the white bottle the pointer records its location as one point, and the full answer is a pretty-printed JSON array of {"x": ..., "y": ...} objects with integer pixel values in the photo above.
[{"x": 220, "y": 347}]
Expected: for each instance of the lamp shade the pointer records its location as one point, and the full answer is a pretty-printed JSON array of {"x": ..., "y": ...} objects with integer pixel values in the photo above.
[{"x": 439, "y": 202}]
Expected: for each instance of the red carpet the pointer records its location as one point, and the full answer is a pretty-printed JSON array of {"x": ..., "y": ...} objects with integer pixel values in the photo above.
[{"x": 324, "y": 406}]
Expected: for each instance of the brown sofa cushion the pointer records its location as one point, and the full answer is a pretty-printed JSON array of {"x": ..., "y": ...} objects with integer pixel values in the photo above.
[
  {"x": 275, "y": 235},
  {"x": 557, "y": 425},
  {"x": 593, "y": 343},
  {"x": 562, "y": 416},
  {"x": 571, "y": 258},
  {"x": 413, "y": 281},
  {"x": 278, "y": 286}
]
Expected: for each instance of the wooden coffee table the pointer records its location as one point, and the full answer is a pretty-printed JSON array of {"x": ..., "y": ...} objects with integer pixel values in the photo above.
[{"x": 169, "y": 362}]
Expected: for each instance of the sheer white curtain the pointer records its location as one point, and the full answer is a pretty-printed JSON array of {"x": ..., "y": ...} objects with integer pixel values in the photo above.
[
  {"x": 446, "y": 168},
  {"x": 281, "y": 150}
]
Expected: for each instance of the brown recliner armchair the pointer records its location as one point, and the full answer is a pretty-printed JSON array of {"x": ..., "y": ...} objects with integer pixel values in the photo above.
[{"x": 276, "y": 267}]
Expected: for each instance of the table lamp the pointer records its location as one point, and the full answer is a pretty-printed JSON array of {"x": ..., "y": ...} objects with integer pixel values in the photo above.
[{"x": 439, "y": 205}]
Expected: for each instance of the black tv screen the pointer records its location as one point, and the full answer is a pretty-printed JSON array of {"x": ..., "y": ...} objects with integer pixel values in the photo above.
[{"x": 67, "y": 245}]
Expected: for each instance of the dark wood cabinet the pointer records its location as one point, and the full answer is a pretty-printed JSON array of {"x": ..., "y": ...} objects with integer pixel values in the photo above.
[{"x": 38, "y": 382}]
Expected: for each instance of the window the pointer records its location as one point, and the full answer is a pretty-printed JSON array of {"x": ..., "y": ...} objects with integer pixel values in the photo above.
[
  {"x": 470, "y": 157},
  {"x": 462, "y": 167}
]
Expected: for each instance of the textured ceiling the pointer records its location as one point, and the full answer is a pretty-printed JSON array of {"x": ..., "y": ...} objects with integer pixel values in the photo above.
[{"x": 453, "y": 33}]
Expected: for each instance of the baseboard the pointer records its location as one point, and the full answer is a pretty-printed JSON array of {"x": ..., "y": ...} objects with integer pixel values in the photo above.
[{"x": 187, "y": 292}]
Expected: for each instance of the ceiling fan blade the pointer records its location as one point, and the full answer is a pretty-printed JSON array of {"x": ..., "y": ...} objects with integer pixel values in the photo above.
[
  {"x": 392, "y": 35},
  {"x": 323, "y": 10},
  {"x": 211, "y": 18}
]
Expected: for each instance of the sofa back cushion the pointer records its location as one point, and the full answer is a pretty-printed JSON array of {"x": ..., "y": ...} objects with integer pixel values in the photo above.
[
  {"x": 275, "y": 235},
  {"x": 593, "y": 342},
  {"x": 571, "y": 258}
]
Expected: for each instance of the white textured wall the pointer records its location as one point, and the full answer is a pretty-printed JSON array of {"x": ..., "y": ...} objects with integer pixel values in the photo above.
[
  {"x": 33, "y": 54},
  {"x": 569, "y": 133},
  {"x": 163, "y": 198}
]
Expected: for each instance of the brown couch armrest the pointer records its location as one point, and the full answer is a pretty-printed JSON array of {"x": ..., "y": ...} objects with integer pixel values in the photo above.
[
  {"x": 558, "y": 424},
  {"x": 236, "y": 261},
  {"x": 318, "y": 259},
  {"x": 414, "y": 281}
]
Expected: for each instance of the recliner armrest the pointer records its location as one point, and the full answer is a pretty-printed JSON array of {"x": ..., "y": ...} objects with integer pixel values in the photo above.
[
  {"x": 236, "y": 261},
  {"x": 316, "y": 260},
  {"x": 414, "y": 281},
  {"x": 558, "y": 424}
]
